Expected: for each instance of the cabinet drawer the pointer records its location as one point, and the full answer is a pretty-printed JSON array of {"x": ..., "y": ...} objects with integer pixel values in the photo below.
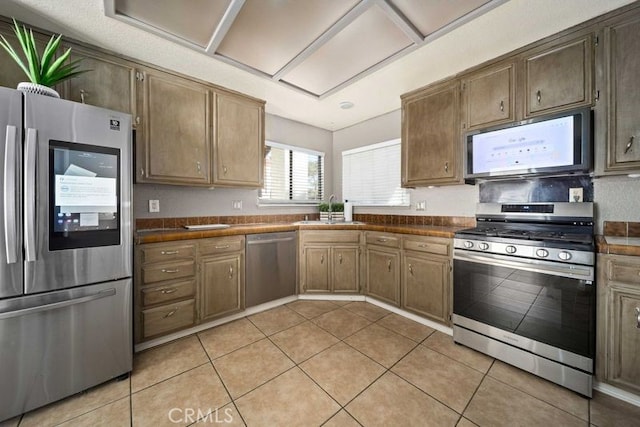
[
  {"x": 168, "y": 271},
  {"x": 330, "y": 236},
  {"x": 221, "y": 246},
  {"x": 382, "y": 239},
  {"x": 168, "y": 292},
  {"x": 626, "y": 272},
  {"x": 439, "y": 247},
  {"x": 168, "y": 253},
  {"x": 168, "y": 318}
]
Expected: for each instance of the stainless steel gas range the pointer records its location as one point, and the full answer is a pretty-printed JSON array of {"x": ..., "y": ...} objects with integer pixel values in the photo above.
[{"x": 524, "y": 289}]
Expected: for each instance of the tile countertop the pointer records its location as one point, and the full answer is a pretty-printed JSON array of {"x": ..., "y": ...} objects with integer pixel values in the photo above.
[
  {"x": 618, "y": 245},
  {"x": 168, "y": 235}
]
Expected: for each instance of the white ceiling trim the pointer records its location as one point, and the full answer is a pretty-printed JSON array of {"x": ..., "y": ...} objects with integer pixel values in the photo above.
[
  {"x": 401, "y": 21},
  {"x": 223, "y": 27}
]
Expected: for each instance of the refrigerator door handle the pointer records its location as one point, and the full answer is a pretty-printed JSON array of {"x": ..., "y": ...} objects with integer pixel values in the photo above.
[
  {"x": 60, "y": 304},
  {"x": 30, "y": 195},
  {"x": 10, "y": 231}
]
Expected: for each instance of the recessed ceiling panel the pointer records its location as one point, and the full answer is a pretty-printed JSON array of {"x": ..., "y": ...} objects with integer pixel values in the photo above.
[
  {"x": 368, "y": 40},
  {"x": 192, "y": 20},
  {"x": 431, "y": 15},
  {"x": 267, "y": 34}
]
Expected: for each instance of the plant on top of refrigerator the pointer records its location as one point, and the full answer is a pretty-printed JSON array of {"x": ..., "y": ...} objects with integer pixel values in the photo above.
[{"x": 42, "y": 69}]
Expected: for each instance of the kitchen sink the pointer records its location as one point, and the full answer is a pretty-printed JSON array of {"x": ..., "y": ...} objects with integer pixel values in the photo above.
[{"x": 325, "y": 222}]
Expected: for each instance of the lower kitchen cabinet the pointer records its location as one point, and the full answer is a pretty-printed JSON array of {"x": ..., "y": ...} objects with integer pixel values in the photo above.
[
  {"x": 221, "y": 278},
  {"x": 426, "y": 277},
  {"x": 330, "y": 261},
  {"x": 618, "y": 321}
]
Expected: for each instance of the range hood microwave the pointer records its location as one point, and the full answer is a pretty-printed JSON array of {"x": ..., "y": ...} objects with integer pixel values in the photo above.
[{"x": 550, "y": 145}]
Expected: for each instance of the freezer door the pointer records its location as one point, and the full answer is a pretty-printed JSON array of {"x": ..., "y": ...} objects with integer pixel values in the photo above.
[
  {"x": 77, "y": 194},
  {"x": 11, "y": 270},
  {"x": 60, "y": 343}
]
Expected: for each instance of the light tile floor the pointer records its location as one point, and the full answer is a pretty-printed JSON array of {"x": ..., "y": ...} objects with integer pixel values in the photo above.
[{"x": 313, "y": 363}]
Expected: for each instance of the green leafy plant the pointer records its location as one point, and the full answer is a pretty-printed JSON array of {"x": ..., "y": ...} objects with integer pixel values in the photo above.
[
  {"x": 335, "y": 207},
  {"x": 43, "y": 70}
]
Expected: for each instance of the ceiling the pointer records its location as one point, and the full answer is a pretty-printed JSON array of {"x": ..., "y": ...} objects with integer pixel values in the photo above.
[
  {"x": 315, "y": 46},
  {"x": 503, "y": 28}
]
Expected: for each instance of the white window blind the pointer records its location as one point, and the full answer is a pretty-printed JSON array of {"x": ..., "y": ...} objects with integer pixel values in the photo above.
[
  {"x": 371, "y": 175},
  {"x": 292, "y": 175}
]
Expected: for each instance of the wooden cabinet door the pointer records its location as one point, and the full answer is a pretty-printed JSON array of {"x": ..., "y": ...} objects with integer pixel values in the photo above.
[
  {"x": 489, "y": 97},
  {"x": 430, "y": 136},
  {"x": 624, "y": 330},
  {"x": 622, "y": 41},
  {"x": 108, "y": 84},
  {"x": 426, "y": 286},
  {"x": 346, "y": 269},
  {"x": 383, "y": 274},
  {"x": 559, "y": 77},
  {"x": 174, "y": 135},
  {"x": 238, "y": 154},
  {"x": 221, "y": 285},
  {"x": 316, "y": 269}
]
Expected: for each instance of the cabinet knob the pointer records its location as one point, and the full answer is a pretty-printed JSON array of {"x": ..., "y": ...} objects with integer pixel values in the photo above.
[
  {"x": 389, "y": 265},
  {"x": 82, "y": 94},
  {"x": 446, "y": 166},
  {"x": 411, "y": 269},
  {"x": 224, "y": 170},
  {"x": 638, "y": 317},
  {"x": 501, "y": 105},
  {"x": 321, "y": 259},
  {"x": 539, "y": 96},
  {"x": 340, "y": 258},
  {"x": 629, "y": 144},
  {"x": 199, "y": 167},
  {"x": 230, "y": 272}
]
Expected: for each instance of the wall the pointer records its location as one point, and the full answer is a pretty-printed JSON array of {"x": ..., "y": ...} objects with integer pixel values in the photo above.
[
  {"x": 617, "y": 199},
  {"x": 176, "y": 201},
  {"x": 456, "y": 200}
]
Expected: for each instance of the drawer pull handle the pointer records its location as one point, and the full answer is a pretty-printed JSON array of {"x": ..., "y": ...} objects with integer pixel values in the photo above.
[
  {"x": 411, "y": 269},
  {"x": 422, "y": 245},
  {"x": 628, "y": 146},
  {"x": 389, "y": 265},
  {"x": 168, "y": 270},
  {"x": 539, "y": 96},
  {"x": 171, "y": 313},
  {"x": 168, "y": 291},
  {"x": 169, "y": 252},
  {"x": 222, "y": 247},
  {"x": 382, "y": 240},
  {"x": 501, "y": 105},
  {"x": 638, "y": 317},
  {"x": 230, "y": 272}
]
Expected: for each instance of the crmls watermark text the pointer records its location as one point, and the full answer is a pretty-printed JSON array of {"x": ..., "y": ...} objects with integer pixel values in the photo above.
[{"x": 191, "y": 415}]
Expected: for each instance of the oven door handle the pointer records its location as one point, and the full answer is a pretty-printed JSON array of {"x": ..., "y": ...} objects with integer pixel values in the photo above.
[{"x": 545, "y": 267}]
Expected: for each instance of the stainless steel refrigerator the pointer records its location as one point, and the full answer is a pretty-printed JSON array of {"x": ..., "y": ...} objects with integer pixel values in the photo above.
[{"x": 65, "y": 249}]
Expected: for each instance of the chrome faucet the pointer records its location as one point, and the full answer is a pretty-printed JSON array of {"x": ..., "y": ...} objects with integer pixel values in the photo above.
[{"x": 333, "y": 196}]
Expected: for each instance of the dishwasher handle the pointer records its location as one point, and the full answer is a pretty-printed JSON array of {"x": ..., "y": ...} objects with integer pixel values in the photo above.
[{"x": 263, "y": 242}]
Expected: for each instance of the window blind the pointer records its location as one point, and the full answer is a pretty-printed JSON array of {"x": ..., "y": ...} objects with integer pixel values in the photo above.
[
  {"x": 292, "y": 174},
  {"x": 371, "y": 175}
]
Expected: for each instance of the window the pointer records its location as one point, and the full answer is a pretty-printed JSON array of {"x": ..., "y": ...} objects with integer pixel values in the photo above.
[
  {"x": 371, "y": 175},
  {"x": 292, "y": 175}
]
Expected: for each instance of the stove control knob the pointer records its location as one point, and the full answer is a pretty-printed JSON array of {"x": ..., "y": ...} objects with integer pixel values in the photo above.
[
  {"x": 564, "y": 255},
  {"x": 510, "y": 249},
  {"x": 484, "y": 246},
  {"x": 542, "y": 253},
  {"x": 468, "y": 244}
]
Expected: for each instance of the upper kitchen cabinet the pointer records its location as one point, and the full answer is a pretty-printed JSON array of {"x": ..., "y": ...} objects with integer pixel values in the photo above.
[
  {"x": 238, "y": 143},
  {"x": 618, "y": 72},
  {"x": 558, "y": 77},
  {"x": 109, "y": 83},
  {"x": 489, "y": 96},
  {"x": 173, "y": 137},
  {"x": 431, "y": 135}
]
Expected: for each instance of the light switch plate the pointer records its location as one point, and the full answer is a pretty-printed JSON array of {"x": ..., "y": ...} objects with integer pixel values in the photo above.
[
  {"x": 154, "y": 205},
  {"x": 576, "y": 194}
]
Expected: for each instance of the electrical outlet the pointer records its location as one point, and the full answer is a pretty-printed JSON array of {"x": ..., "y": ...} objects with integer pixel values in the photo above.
[
  {"x": 236, "y": 204},
  {"x": 154, "y": 205},
  {"x": 576, "y": 194},
  {"x": 421, "y": 206}
]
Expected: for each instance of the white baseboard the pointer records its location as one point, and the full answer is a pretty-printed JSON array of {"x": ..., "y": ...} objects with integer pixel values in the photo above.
[
  {"x": 612, "y": 391},
  {"x": 331, "y": 297},
  {"x": 430, "y": 323}
]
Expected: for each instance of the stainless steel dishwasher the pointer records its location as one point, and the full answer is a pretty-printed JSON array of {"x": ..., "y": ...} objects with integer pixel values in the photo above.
[{"x": 270, "y": 267}]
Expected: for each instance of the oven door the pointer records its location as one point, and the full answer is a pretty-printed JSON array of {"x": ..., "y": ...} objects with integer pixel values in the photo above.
[{"x": 551, "y": 305}]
